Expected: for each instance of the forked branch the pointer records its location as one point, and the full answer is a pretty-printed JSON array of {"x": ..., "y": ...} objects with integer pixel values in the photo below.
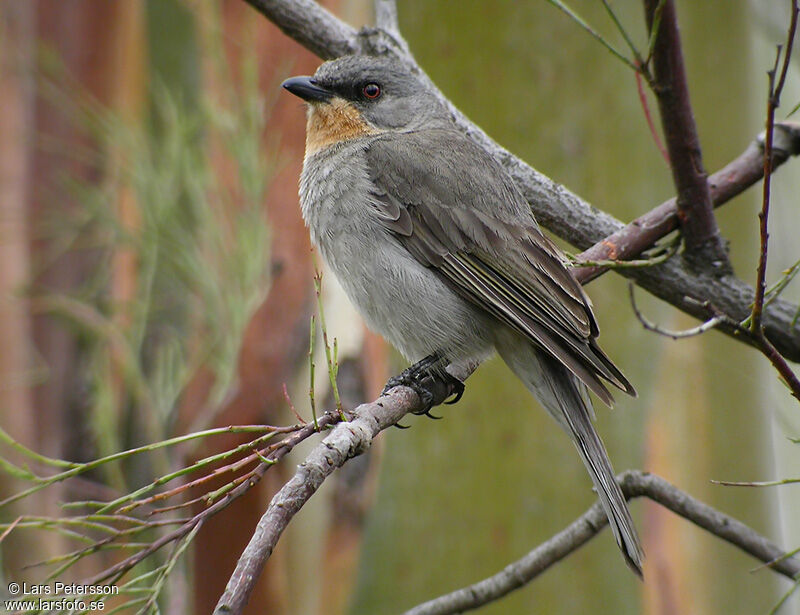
[{"x": 705, "y": 250}]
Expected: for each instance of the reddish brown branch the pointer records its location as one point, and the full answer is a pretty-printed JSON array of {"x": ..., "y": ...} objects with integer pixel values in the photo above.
[
  {"x": 778, "y": 362},
  {"x": 773, "y": 102},
  {"x": 649, "y": 117},
  {"x": 705, "y": 250},
  {"x": 641, "y": 234}
]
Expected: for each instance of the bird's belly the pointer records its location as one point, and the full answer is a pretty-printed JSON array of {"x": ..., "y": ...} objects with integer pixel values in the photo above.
[
  {"x": 404, "y": 301},
  {"x": 399, "y": 298}
]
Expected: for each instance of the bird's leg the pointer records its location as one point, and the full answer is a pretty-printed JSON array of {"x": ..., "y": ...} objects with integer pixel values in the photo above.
[{"x": 432, "y": 383}]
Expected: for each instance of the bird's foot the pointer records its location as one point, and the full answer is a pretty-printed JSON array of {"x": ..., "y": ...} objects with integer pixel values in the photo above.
[{"x": 433, "y": 384}]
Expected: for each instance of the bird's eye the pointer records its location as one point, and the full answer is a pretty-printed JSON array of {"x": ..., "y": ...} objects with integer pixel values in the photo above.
[{"x": 371, "y": 90}]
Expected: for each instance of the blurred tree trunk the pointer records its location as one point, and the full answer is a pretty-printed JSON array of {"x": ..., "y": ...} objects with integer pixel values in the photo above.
[
  {"x": 275, "y": 341},
  {"x": 81, "y": 33},
  {"x": 17, "y": 363},
  {"x": 42, "y": 385}
]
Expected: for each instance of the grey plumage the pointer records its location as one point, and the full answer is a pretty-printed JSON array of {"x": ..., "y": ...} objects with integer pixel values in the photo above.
[{"x": 439, "y": 251}]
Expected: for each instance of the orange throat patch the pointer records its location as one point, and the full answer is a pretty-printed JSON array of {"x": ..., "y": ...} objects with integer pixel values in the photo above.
[{"x": 332, "y": 122}]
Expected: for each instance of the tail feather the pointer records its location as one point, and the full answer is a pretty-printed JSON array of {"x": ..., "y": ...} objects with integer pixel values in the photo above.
[
  {"x": 594, "y": 456},
  {"x": 567, "y": 400}
]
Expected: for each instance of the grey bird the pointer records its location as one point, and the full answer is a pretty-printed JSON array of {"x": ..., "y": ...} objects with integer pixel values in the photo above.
[{"x": 438, "y": 250}]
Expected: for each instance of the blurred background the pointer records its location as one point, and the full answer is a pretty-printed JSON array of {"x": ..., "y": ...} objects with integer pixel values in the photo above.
[{"x": 156, "y": 278}]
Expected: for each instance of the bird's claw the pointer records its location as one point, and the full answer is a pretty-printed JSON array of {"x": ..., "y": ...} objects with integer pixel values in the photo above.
[
  {"x": 433, "y": 386},
  {"x": 458, "y": 390}
]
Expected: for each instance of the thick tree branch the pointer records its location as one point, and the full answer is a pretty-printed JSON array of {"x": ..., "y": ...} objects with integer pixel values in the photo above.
[
  {"x": 705, "y": 249},
  {"x": 556, "y": 208},
  {"x": 314, "y": 27},
  {"x": 634, "y": 484},
  {"x": 641, "y": 234}
]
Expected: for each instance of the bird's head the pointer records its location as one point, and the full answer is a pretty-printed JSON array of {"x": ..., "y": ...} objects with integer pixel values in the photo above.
[{"x": 356, "y": 96}]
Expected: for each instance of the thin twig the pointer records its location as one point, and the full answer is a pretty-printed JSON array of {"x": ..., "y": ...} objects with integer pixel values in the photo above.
[
  {"x": 773, "y": 102},
  {"x": 662, "y": 255},
  {"x": 634, "y": 484},
  {"x": 332, "y": 360},
  {"x": 676, "y": 335},
  {"x": 779, "y": 286},
  {"x": 654, "y": 27},
  {"x": 763, "y": 483},
  {"x": 778, "y": 362},
  {"x": 279, "y": 451},
  {"x": 634, "y": 51},
  {"x": 311, "y": 368},
  {"x": 289, "y": 402},
  {"x": 559, "y": 4},
  {"x": 649, "y": 118}
]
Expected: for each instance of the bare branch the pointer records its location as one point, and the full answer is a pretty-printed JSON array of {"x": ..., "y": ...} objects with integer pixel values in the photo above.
[
  {"x": 311, "y": 25},
  {"x": 345, "y": 441},
  {"x": 637, "y": 236},
  {"x": 773, "y": 101},
  {"x": 705, "y": 249},
  {"x": 676, "y": 335},
  {"x": 634, "y": 484}
]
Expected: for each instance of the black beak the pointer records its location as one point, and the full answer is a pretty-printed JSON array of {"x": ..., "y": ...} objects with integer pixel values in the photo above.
[{"x": 307, "y": 89}]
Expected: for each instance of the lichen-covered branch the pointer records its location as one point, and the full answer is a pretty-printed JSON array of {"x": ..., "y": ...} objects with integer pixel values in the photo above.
[{"x": 347, "y": 440}]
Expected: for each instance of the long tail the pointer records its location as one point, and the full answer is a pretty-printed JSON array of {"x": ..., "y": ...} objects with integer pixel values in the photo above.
[
  {"x": 567, "y": 400},
  {"x": 577, "y": 412}
]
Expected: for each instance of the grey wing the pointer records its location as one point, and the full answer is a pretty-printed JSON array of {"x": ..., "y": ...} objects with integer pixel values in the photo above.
[{"x": 470, "y": 223}]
